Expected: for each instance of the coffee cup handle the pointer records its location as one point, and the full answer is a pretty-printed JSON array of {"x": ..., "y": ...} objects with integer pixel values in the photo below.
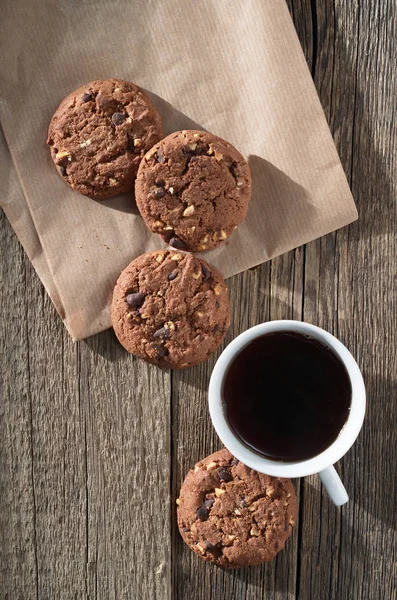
[{"x": 334, "y": 486}]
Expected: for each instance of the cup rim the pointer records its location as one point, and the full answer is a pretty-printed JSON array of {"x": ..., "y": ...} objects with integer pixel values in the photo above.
[{"x": 249, "y": 457}]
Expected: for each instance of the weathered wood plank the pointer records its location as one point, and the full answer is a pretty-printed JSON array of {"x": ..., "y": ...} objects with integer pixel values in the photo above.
[
  {"x": 18, "y": 574},
  {"x": 350, "y": 290},
  {"x": 125, "y": 407}
]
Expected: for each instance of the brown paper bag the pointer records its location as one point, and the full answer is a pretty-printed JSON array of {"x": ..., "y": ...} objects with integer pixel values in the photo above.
[{"x": 234, "y": 68}]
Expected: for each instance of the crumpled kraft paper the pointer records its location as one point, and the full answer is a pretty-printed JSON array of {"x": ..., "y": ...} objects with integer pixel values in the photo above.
[{"x": 234, "y": 68}]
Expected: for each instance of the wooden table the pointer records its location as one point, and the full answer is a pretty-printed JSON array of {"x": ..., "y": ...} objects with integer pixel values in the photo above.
[{"x": 94, "y": 443}]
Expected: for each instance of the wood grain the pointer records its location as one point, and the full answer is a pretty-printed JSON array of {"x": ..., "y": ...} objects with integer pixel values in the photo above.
[{"x": 94, "y": 444}]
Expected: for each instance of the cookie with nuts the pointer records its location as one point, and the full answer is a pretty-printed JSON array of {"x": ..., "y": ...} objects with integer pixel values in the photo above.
[
  {"x": 99, "y": 134},
  {"x": 232, "y": 515},
  {"x": 170, "y": 308},
  {"x": 193, "y": 189}
]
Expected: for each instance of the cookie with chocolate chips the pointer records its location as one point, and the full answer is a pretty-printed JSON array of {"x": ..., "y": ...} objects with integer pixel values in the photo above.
[
  {"x": 99, "y": 134},
  {"x": 170, "y": 308},
  {"x": 193, "y": 189},
  {"x": 233, "y": 516}
]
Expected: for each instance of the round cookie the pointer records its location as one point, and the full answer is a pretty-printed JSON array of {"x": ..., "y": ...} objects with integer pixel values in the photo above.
[
  {"x": 233, "y": 516},
  {"x": 193, "y": 189},
  {"x": 170, "y": 308},
  {"x": 99, "y": 134}
]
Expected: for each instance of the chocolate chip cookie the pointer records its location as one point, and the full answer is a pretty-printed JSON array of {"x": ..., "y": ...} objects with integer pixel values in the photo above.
[
  {"x": 233, "y": 516},
  {"x": 99, "y": 134},
  {"x": 193, "y": 189},
  {"x": 170, "y": 308}
]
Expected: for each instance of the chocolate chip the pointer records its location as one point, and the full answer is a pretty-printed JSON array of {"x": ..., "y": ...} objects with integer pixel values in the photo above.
[
  {"x": 62, "y": 171},
  {"x": 209, "y": 503},
  {"x": 118, "y": 118},
  {"x": 202, "y": 148},
  {"x": 187, "y": 152},
  {"x": 215, "y": 550},
  {"x": 158, "y": 193},
  {"x": 87, "y": 97},
  {"x": 234, "y": 462},
  {"x": 161, "y": 351},
  {"x": 243, "y": 503},
  {"x": 172, "y": 275},
  {"x": 215, "y": 329},
  {"x": 206, "y": 273},
  {"x": 224, "y": 474},
  {"x": 235, "y": 171},
  {"x": 176, "y": 242},
  {"x": 64, "y": 161},
  {"x": 286, "y": 526},
  {"x": 135, "y": 300},
  {"x": 160, "y": 156},
  {"x": 162, "y": 333},
  {"x": 203, "y": 513}
]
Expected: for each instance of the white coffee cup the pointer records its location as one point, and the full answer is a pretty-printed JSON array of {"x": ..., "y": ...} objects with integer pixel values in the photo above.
[{"x": 322, "y": 463}]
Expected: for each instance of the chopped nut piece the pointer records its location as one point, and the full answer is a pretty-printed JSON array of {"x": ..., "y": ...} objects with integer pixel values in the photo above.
[
  {"x": 178, "y": 501},
  {"x": 85, "y": 144},
  {"x": 63, "y": 154},
  {"x": 151, "y": 153},
  {"x": 286, "y": 504},
  {"x": 137, "y": 142},
  {"x": 211, "y": 465},
  {"x": 210, "y": 150},
  {"x": 171, "y": 190},
  {"x": 160, "y": 258},
  {"x": 128, "y": 120},
  {"x": 193, "y": 146},
  {"x": 231, "y": 537},
  {"x": 170, "y": 325},
  {"x": 117, "y": 89},
  {"x": 240, "y": 182},
  {"x": 292, "y": 521},
  {"x": 237, "y": 511},
  {"x": 196, "y": 468},
  {"x": 222, "y": 234},
  {"x": 202, "y": 247},
  {"x": 129, "y": 316},
  {"x": 219, "y": 492},
  {"x": 218, "y": 156},
  {"x": 193, "y": 528},
  {"x": 188, "y": 211},
  {"x": 145, "y": 316},
  {"x": 204, "y": 239},
  {"x": 113, "y": 181},
  {"x": 176, "y": 257},
  {"x": 217, "y": 290},
  {"x": 196, "y": 275},
  {"x": 200, "y": 548},
  {"x": 255, "y": 531},
  {"x": 288, "y": 495},
  {"x": 199, "y": 314},
  {"x": 192, "y": 229},
  {"x": 196, "y": 135},
  {"x": 168, "y": 228},
  {"x": 158, "y": 224},
  {"x": 251, "y": 508}
]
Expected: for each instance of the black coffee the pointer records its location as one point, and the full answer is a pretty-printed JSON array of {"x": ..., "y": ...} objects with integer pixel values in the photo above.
[{"x": 287, "y": 396}]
